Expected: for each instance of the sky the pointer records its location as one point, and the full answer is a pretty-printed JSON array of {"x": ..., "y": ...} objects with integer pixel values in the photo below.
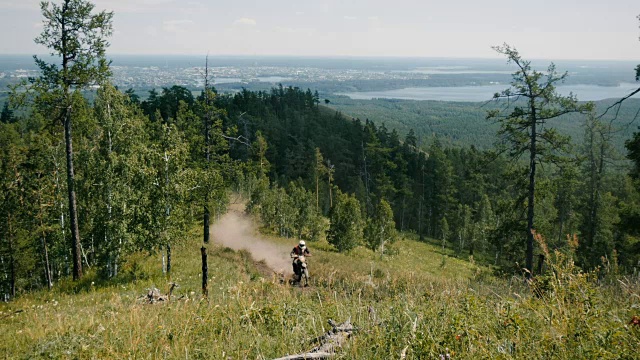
[{"x": 541, "y": 29}]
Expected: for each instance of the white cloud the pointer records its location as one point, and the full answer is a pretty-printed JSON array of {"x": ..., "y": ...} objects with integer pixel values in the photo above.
[
  {"x": 175, "y": 25},
  {"x": 373, "y": 18},
  {"x": 347, "y": 17},
  {"x": 38, "y": 25},
  {"x": 245, "y": 22}
]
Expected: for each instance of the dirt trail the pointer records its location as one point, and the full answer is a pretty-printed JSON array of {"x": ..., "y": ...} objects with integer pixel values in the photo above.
[{"x": 237, "y": 231}]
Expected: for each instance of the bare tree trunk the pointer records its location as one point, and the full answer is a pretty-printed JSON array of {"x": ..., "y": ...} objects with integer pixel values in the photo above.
[
  {"x": 169, "y": 259},
  {"x": 45, "y": 251},
  {"x": 404, "y": 199},
  {"x": 12, "y": 265},
  {"x": 540, "y": 263},
  {"x": 205, "y": 272},
  {"x": 5, "y": 295},
  {"x": 73, "y": 212},
  {"x": 206, "y": 223},
  {"x": 47, "y": 269},
  {"x": 532, "y": 189},
  {"x": 59, "y": 197},
  {"x": 366, "y": 179},
  {"x": 207, "y": 141}
]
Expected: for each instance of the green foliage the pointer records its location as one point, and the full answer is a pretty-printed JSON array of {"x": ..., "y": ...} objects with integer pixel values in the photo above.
[
  {"x": 116, "y": 173},
  {"x": 78, "y": 37},
  {"x": 380, "y": 229},
  {"x": 258, "y": 155},
  {"x": 12, "y": 240},
  {"x": 166, "y": 188},
  {"x": 287, "y": 212},
  {"x": 522, "y": 128},
  {"x": 6, "y": 116},
  {"x": 461, "y": 124},
  {"x": 167, "y": 105},
  {"x": 633, "y": 148},
  {"x": 345, "y": 231}
]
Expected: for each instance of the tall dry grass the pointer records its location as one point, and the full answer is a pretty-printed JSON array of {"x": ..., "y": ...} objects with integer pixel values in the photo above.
[{"x": 413, "y": 303}]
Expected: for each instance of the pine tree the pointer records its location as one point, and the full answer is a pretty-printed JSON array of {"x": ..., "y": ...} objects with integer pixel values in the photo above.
[
  {"x": 78, "y": 38},
  {"x": 6, "y": 116},
  {"x": 598, "y": 212},
  {"x": 522, "y": 129}
]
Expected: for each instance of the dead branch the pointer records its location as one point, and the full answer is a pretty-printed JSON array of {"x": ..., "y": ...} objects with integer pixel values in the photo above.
[
  {"x": 618, "y": 103},
  {"x": 329, "y": 342},
  {"x": 307, "y": 356},
  {"x": 241, "y": 139},
  {"x": 12, "y": 313},
  {"x": 154, "y": 295}
]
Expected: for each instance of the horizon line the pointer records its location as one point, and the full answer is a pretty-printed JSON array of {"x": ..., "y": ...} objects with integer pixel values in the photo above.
[{"x": 394, "y": 57}]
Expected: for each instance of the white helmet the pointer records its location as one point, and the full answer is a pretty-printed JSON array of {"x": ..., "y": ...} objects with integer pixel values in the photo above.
[{"x": 302, "y": 244}]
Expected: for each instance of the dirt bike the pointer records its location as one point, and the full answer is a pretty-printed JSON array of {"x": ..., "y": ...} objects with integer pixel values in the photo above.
[{"x": 301, "y": 273}]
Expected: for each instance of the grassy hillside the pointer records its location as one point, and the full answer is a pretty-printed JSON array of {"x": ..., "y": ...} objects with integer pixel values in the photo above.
[{"x": 419, "y": 300}]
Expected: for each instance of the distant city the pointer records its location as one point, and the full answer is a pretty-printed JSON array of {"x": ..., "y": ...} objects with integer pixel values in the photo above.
[{"x": 361, "y": 78}]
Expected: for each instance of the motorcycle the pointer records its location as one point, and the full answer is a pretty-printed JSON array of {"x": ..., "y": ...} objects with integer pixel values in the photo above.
[{"x": 301, "y": 271}]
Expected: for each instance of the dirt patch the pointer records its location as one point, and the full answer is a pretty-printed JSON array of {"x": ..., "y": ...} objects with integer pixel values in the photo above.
[{"x": 235, "y": 230}]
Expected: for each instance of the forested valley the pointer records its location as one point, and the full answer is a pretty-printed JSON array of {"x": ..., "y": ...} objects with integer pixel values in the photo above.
[{"x": 143, "y": 175}]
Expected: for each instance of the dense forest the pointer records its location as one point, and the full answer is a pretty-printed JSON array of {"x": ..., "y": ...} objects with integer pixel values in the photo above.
[
  {"x": 143, "y": 176},
  {"x": 86, "y": 183},
  {"x": 463, "y": 123}
]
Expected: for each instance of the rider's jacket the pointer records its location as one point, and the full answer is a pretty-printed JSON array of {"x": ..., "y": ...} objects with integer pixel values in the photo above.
[{"x": 297, "y": 251}]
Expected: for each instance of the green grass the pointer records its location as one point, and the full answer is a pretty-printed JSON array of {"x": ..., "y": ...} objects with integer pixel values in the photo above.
[{"x": 412, "y": 300}]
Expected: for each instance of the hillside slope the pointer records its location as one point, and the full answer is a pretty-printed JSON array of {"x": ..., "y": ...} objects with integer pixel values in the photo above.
[{"x": 417, "y": 302}]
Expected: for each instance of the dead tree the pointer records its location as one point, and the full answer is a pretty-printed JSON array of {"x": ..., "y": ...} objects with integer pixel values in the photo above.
[{"x": 329, "y": 342}]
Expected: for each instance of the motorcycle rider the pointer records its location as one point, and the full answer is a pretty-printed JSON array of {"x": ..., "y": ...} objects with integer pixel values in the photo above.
[{"x": 299, "y": 250}]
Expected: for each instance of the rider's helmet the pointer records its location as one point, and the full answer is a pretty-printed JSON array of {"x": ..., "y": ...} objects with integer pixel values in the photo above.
[{"x": 302, "y": 244}]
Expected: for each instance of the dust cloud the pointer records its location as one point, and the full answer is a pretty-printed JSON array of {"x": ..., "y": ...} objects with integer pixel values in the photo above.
[{"x": 236, "y": 231}]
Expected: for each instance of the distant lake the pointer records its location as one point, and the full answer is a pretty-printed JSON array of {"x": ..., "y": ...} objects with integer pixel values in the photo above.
[{"x": 485, "y": 92}]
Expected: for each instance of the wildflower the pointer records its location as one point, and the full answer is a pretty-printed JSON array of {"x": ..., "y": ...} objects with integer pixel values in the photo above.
[{"x": 635, "y": 320}]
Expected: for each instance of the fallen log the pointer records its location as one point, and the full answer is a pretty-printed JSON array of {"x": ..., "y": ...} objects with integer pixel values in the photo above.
[
  {"x": 155, "y": 296},
  {"x": 307, "y": 356},
  {"x": 329, "y": 342}
]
